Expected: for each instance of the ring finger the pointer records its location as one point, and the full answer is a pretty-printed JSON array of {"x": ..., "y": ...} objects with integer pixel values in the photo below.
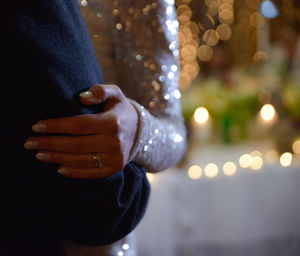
[{"x": 75, "y": 161}]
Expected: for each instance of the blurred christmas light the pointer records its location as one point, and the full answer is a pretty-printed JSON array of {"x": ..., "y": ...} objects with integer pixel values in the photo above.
[
  {"x": 211, "y": 37},
  {"x": 224, "y": 32},
  {"x": 271, "y": 156},
  {"x": 211, "y": 170},
  {"x": 205, "y": 53},
  {"x": 245, "y": 161},
  {"x": 268, "y": 9},
  {"x": 229, "y": 168},
  {"x": 267, "y": 112},
  {"x": 260, "y": 56},
  {"x": 256, "y": 153},
  {"x": 296, "y": 146},
  {"x": 195, "y": 172},
  {"x": 257, "y": 20},
  {"x": 201, "y": 115},
  {"x": 257, "y": 163},
  {"x": 286, "y": 159}
]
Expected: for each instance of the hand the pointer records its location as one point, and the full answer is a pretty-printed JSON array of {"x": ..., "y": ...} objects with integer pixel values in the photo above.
[{"x": 109, "y": 135}]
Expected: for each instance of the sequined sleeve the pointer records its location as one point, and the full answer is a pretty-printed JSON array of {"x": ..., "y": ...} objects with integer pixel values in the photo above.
[{"x": 140, "y": 56}]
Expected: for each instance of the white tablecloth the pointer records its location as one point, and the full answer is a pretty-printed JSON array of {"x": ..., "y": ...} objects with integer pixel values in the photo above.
[{"x": 250, "y": 207}]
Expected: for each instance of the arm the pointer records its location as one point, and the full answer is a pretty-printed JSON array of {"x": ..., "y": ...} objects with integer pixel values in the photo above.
[{"x": 140, "y": 59}]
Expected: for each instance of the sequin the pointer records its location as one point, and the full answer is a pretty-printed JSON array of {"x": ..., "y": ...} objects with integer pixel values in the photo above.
[
  {"x": 119, "y": 26},
  {"x": 174, "y": 68},
  {"x": 177, "y": 94},
  {"x": 171, "y": 75},
  {"x": 169, "y": 10},
  {"x": 172, "y": 46},
  {"x": 125, "y": 247},
  {"x": 138, "y": 57},
  {"x": 161, "y": 78}
]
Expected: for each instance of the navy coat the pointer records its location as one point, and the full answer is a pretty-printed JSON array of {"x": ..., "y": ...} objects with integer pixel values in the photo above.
[{"x": 47, "y": 60}]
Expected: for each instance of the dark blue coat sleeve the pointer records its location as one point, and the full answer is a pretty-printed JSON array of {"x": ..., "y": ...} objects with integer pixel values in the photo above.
[{"x": 48, "y": 60}]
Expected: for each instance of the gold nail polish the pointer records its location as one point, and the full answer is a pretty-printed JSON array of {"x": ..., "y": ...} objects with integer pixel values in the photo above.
[
  {"x": 63, "y": 171},
  {"x": 87, "y": 95},
  {"x": 32, "y": 145},
  {"x": 39, "y": 127},
  {"x": 43, "y": 156}
]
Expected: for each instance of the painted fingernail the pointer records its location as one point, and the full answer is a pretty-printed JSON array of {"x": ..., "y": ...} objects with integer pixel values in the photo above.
[
  {"x": 87, "y": 95},
  {"x": 39, "y": 127},
  {"x": 32, "y": 145},
  {"x": 43, "y": 156},
  {"x": 63, "y": 171}
]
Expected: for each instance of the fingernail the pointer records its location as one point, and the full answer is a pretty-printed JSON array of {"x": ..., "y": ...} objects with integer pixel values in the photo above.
[
  {"x": 63, "y": 171},
  {"x": 87, "y": 95},
  {"x": 39, "y": 127},
  {"x": 31, "y": 145},
  {"x": 43, "y": 156}
]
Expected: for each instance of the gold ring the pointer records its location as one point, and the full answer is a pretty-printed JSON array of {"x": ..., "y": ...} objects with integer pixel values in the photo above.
[{"x": 97, "y": 162}]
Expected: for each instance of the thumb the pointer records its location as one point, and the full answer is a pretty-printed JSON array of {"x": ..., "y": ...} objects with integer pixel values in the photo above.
[{"x": 100, "y": 93}]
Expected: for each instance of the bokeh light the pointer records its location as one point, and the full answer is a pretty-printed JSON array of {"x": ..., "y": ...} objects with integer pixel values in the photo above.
[
  {"x": 211, "y": 170},
  {"x": 257, "y": 163},
  {"x": 201, "y": 115},
  {"x": 205, "y": 53},
  {"x": 286, "y": 159},
  {"x": 224, "y": 32},
  {"x": 271, "y": 156},
  {"x": 245, "y": 161},
  {"x": 150, "y": 177},
  {"x": 296, "y": 146},
  {"x": 195, "y": 172},
  {"x": 268, "y": 9},
  {"x": 229, "y": 168},
  {"x": 267, "y": 112}
]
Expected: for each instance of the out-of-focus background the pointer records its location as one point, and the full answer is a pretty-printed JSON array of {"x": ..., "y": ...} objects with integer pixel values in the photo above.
[{"x": 237, "y": 191}]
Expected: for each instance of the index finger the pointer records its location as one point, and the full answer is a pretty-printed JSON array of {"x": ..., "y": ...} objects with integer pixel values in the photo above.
[{"x": 87, "y": 124}]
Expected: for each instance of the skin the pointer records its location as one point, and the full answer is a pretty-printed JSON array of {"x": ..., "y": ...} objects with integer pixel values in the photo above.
[{"x": 111, "y": 134}]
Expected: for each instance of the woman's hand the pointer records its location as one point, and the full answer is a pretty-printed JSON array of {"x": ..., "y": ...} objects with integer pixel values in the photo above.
[{"x": 103, "y": 141}]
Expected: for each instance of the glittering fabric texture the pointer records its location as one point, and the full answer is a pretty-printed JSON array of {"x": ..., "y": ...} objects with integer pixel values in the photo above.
[{"x": 137, "y": 49}]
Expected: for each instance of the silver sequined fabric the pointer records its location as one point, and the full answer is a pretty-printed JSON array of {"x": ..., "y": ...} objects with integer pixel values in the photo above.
[{"x": 137, "y": 49}]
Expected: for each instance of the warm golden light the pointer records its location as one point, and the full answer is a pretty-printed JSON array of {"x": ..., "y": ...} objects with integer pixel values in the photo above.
[
  {"x": 286, "y": 159},
  {"x": 211, "y": 170},
  {"x": 150, "y": 177},
  {"x": 210, "y": 37},
  {"x": 260, "y": 56},
  {"x": 201, "y": 115},
  {"x": 257, "y": 163},
  {"x": 271, "y": 156},
  {"x": 195, "y": 172},
  {"x": 245, "y": 161},
  {"x": 229, "y": 168},
  {"x": 224, "y": 32},
  {"x": 256, "y": 153},
  {"x": 296, "y": 146},
  {"x": 226, "y": 16},
  {"x": 205, "y": 53},
  {"x": 267, "y": 112},
  {"x": 257, "y": 20}
]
